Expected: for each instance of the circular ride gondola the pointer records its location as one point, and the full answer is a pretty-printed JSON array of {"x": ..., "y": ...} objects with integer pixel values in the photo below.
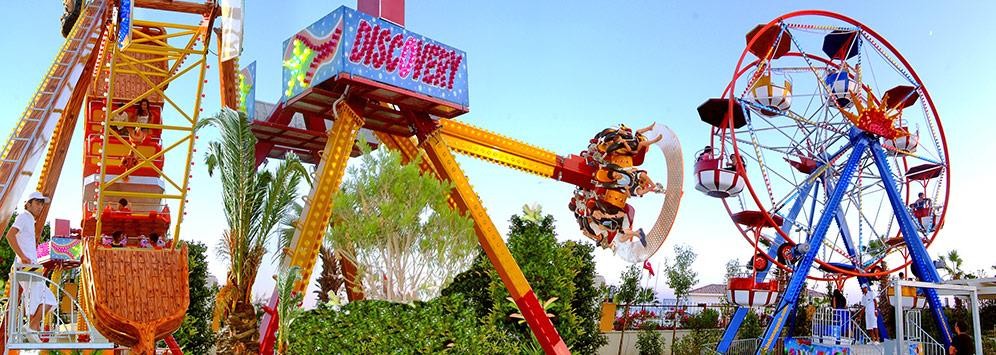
[{"x": 602, "y": 211}]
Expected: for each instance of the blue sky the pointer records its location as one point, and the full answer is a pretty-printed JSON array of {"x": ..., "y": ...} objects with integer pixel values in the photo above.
[{"x": 553, "y": 73}]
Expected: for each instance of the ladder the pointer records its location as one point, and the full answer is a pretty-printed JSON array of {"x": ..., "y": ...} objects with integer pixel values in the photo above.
[{"x": 27, "y": 142}]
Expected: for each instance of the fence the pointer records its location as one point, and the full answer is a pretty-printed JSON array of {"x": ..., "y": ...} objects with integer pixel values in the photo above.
[{"x": 667, "y": 316}]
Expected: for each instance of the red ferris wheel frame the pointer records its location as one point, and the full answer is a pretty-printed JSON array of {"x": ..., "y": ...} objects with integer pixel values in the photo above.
[{"x": 729, "y": 94}]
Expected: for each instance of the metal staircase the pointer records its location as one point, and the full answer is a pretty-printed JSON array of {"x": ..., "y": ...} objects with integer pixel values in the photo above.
[
  {"x": 20, "y": 155},
  {"x": 61, "y": 330}
]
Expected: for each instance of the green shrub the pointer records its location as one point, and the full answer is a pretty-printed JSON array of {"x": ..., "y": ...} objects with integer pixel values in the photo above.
[
  {"x": 565, "y": 271},
  {"x": 706, "y": 319},
  {"x": 692, "y": 343},
  {"x": 751, "y": 326},
  {"x": 445, "y": 324},
  {"x": 650, "y": 341}
]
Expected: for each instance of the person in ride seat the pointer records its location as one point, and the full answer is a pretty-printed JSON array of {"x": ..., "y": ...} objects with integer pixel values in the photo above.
[
  {"x": 137, "y": 135},
  {"x": 922, "y": 202},
  {"x": 705, "y": 154},
  {"x": 120, "y": 239},
  {"x": 157, "y": 241},
  {"x": 120, "y": 117},
  {"x": 123, "y": 205},
  {"x": 644, "y": 184},
  {"x": 23, "y": 239},
  {"x": 734, "y": 161}
]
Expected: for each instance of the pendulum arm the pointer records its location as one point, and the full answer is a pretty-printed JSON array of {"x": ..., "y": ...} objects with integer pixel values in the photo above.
[
  {"x": 730, "y": 333},
  {"x": 317, "y": 211},
  {"x": 790, "y": 298},
  {"x": 441, "y": 157},
  {"x": 923, "y": 268},
  {"x": 63, "y": 134}
]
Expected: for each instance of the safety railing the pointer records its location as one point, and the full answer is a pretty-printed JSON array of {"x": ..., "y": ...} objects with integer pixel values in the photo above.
[
  {"x": 59, "y": 329},
  {"x": 743, "y": 347},
  {"x": 915, "y": 334}
]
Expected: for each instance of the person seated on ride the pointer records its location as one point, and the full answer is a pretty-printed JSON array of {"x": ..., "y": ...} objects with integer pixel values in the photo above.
[
  {"x": 123, "y": 205},
  {"x": 614, "y": 224},
  {"x": 143, "y": 242},
  {"x": 120, "y": 117},
  {"x": 158, "y": 242},
  {"x": 137, "y": 135},
  {"x": 644, "y": 184},
  {"x": 705, "y": 154},
  {"x": 120, "y": 239},
  {"x": 735, "y": 161},
  {"x": 106, "y": 241},
  {"x": 628, "y": 143},
  {"x": 921, "y": 203}
]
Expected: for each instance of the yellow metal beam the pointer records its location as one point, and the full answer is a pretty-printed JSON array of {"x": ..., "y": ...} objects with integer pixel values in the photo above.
[
  {"x": 318, "y": 208},
  {"x": 511, "y": 275},
  {"x": 122, "y": 61},
  {"x": 492, "y": 147}
]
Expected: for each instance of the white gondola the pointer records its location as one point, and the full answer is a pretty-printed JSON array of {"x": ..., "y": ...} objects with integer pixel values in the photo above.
[
  {"x": 717, "y": 181},
  {"x": 842, "y": 86},
  {"x": 905, "y": 144},
  {"x": 743, "y": 291},
  {"x": 768, "y": 93}
]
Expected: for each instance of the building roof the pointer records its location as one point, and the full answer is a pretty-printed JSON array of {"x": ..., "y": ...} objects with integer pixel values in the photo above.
[
  {"x": 720, "y": 289},
  {"x": 710, "y": 289}
]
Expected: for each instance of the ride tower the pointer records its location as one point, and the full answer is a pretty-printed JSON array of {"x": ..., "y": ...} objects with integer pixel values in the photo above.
[
  {"x": 827, "y": 151},
  {"x": 116, "y": 66}
]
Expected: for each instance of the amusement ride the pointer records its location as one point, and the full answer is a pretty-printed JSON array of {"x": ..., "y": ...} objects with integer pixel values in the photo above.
[
  {"x": 830, "y": 157},
  {"x": 121, "y": 278}
]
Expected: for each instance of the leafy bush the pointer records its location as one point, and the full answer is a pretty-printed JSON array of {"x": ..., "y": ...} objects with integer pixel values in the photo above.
[
  {"x": 447, "y": 323},
  {"x": 650, "y": 341},
  {"x": 692, "y": 343},
  {"x": 751, "y": 326},
  {"x": 637, "y": 320},
  {"x": 706, "y": 319},
  {"x": 565, "y": 271},
  {"x": 195, "y": 335}
]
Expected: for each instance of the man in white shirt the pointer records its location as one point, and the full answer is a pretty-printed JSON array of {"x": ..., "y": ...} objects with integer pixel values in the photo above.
[
  {"x": 871, "y": 319},
  {"x": 24, "y": 241}
]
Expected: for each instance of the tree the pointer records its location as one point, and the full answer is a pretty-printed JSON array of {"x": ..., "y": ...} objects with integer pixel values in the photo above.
[
  {"x": 195, "y": 335},
  {"x": 287, "y": 308},
  {"x": 396, "y": 225},
  {"x": 952, "y": 264},
  {"x": 680, "y": 276},
  {"x": 628, "y": 292},
  {"x": 474, "y": 284},
  {"x": 563, "y": 272},
  {"x": 330, "y": 280},
  {"x": 254, "y": 201},
  {"x": 586, "y": 303}
]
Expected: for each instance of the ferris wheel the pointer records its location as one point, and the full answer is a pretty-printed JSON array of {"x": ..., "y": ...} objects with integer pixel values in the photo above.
[{"x": 828, "y": 152}]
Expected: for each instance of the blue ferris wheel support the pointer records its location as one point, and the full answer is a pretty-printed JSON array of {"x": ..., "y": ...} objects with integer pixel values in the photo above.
[{"x": 922, "y": 265}]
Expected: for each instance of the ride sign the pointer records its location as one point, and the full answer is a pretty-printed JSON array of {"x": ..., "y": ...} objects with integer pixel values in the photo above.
[{"x": 350, "y": 42}]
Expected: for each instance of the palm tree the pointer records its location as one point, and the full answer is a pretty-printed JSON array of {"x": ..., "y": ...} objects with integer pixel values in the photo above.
[
  {"x": 254, "y": 202},
  {"x": 287, "y": 309},
  {"x": 952, "y": 264}
]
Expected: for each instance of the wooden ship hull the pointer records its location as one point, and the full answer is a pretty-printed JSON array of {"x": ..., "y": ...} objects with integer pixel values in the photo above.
[{"x": 138, "y": 296}]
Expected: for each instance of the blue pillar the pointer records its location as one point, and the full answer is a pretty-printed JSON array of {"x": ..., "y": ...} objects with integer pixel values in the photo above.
[
  {"x": 730, "y": 334},
  {"x": 788, "y": 300},
  {"x": 845, "y": 233},
  {"x": 923, "y": 267}
]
